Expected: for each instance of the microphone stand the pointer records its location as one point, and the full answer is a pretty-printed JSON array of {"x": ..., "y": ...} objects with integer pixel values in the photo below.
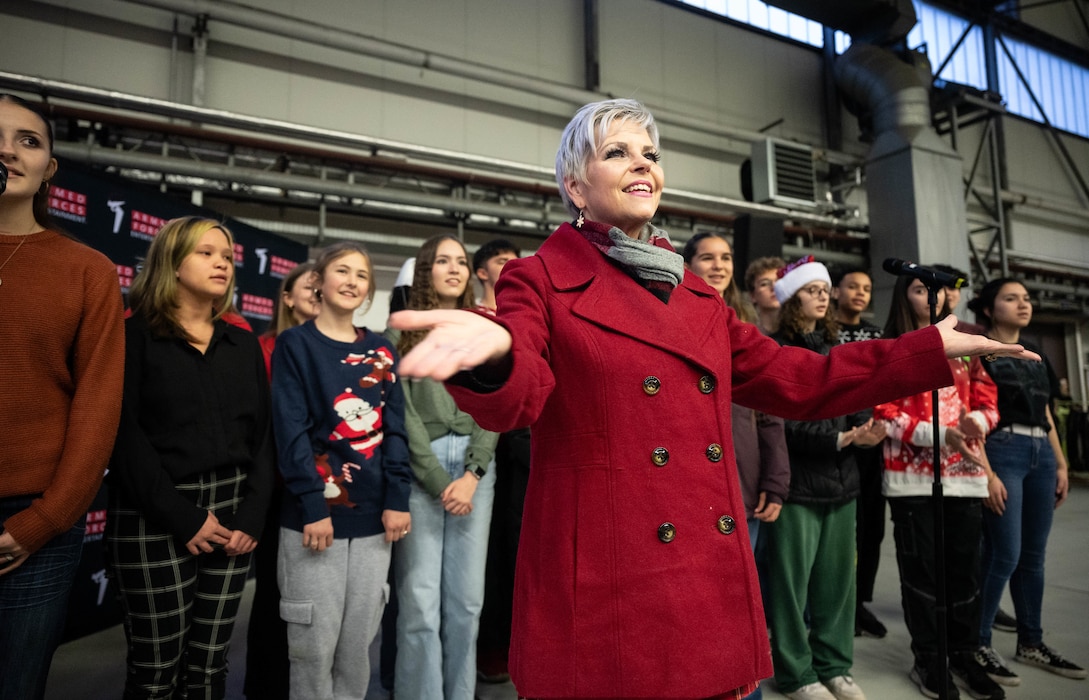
[{"x": 937, "y": 502}]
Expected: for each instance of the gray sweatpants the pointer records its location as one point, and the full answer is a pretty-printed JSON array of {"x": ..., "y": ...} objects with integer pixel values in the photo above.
[{"x": 332, "y": 602}]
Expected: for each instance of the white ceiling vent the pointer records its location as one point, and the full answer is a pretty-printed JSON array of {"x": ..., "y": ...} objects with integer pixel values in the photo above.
[{"x": 782, "y": 174}]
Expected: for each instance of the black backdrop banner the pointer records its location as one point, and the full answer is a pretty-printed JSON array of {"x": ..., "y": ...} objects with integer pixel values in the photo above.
[{"x": 120, "y": 219}]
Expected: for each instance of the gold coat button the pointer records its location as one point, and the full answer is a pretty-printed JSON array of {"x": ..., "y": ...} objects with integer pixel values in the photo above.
[
  {"x": 714, "y": 452},
  {"x": 726, "y": 525},
  {"x": 652, "y": 385},
  {"x": 666, "y": 532},
  {"x": 707, "y": 384},
  {"x": 659, "y": 456}
]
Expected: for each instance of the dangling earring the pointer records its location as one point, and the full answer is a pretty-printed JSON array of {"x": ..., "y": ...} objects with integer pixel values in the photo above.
[{"x": 581, "y": 220}]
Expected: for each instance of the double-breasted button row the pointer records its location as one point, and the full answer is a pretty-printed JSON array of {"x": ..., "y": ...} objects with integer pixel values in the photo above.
[
  {"x": 667, "y": 531},
  {"x": 652, "y": 385},
  {"x": 659, "y": 456}
]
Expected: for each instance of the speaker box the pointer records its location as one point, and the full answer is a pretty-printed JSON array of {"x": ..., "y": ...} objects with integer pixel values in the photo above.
[{"x": 756, "y": 237}]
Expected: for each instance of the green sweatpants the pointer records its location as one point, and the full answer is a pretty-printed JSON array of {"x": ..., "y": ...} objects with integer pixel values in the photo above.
[{"x": 811, "y": 565}]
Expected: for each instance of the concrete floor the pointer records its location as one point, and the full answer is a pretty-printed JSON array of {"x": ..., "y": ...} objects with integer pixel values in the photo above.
[{"x": 92, "y": 668}]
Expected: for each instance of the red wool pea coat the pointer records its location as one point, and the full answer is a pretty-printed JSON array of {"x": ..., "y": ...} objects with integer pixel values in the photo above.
[{"x": 634, "y": 575}]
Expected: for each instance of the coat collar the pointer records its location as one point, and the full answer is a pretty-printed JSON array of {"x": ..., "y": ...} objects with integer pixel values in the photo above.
[{"x": 611, "y": 299}]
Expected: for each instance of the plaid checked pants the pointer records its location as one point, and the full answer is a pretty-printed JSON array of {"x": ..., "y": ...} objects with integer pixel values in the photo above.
[{"x": 179, "y": 608}]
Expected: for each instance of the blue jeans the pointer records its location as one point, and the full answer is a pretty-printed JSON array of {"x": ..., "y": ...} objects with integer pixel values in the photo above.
[
  {"x": 1015, "y": 543},
  {"x": 440, "y": 586},
  {"x": 33, "y": 608}
]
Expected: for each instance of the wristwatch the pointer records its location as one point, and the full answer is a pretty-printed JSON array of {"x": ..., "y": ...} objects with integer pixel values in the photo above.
[{"x": 478, "y": 472}]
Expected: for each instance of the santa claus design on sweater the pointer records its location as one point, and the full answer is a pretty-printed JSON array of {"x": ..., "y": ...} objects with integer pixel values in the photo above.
[{"x": 361, "y": 423}]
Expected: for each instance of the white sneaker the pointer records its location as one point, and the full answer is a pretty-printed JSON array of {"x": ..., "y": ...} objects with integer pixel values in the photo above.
[
  {"x": 813, "y": 691},
  {"x": 845, "y": 688}
]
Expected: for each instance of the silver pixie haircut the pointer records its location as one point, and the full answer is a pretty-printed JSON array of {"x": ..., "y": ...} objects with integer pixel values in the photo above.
[{"x": 585, "y": 131}]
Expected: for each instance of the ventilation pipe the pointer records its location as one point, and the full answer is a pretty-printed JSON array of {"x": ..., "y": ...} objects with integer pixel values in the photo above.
[{"x": 914, "y": 180}]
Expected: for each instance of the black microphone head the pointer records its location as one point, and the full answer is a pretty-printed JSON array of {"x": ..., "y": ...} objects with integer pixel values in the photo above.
[
  {"x": 3, "y": 178},
  {"x": 893, "y": 266}
]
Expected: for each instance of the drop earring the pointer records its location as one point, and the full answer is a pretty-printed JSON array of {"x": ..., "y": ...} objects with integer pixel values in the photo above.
[{"x": 580, "y": 220}]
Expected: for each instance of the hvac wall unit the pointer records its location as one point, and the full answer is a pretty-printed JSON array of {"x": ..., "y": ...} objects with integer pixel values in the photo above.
[{"x": 782, "y": 174}]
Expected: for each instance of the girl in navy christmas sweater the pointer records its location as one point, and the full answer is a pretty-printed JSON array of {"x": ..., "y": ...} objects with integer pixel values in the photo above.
[{"x": 339, "y": 419}]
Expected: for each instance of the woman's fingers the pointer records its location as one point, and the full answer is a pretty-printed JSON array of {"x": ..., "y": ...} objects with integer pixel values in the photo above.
[{"x": 456, "y": 341}]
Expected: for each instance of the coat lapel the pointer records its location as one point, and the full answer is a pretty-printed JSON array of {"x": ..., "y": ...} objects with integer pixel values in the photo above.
[{"x": 609, "y": 298}]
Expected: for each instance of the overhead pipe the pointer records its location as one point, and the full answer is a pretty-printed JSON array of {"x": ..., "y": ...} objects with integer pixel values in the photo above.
[
  {"x": 709, "y": 205},
  {"x": 218, "y": 117},
  {"x": 340, "y": 38},
  {"x": 97, "y": 155}
]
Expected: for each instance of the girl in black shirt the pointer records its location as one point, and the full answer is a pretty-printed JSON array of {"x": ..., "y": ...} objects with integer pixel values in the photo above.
[
  {"x": 192, "y": 466},
  {"x": 1028, "y": 484}
]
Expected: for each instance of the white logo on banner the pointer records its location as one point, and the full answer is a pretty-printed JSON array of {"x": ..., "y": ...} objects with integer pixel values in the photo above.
[
  {"x": 118, "y": 209},
  {"x": 262, "y": 253}
]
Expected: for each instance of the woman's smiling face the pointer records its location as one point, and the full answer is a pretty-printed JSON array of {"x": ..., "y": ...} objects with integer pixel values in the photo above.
[{"x": 623, "y": 180}]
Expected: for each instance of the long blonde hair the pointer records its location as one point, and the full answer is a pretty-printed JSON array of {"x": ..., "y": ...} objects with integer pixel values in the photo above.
[{"x": 154, "y": 292}]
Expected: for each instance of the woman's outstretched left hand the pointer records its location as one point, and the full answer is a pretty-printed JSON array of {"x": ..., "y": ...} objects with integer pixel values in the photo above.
[
  {"x": 970, "y": 345},
  {"x": 457, "y": 340}
]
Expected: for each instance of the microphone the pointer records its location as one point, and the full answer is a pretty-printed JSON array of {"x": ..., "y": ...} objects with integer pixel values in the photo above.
[
  {"x": 3, "y": 178},
  {"x": 927, "y": 275}
]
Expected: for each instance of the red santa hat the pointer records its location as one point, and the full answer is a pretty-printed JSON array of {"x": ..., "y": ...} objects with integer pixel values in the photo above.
[
  {"x": 346, "y": 396},
  {"x": 797, "y": 275}
]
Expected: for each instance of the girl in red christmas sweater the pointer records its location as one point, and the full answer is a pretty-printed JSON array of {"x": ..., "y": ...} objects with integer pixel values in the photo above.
[{"x": 967, "y": 413}]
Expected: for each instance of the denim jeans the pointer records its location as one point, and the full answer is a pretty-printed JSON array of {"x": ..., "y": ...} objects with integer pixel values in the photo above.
[
  {"x": 440, "y": 586},
  {"x": 1015, "y": 543},
  {"x": 33, "y": 608}
]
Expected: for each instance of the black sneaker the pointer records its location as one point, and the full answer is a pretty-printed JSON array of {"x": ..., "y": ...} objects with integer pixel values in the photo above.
[
  {"x": 867, "y": 624},
  {"x": 928, "y": 683},
  {"x": 995, "y": 667},
  {"x": 1004, "y": 622},
  {"x": 1049, "y": 660},
  {"x": 970, "y": 676}
]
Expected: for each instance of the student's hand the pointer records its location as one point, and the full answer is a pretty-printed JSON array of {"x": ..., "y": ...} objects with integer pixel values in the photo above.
[
  {"x": 397, "y": 524},
  {"x": 870, "y": 434},
  {"x": 1062, "y": 486},
  {"x": 240, "y": 543},
  {"x": 970, "y": 345},
  {"x": 765, "y": 511},
  {"x": 210, "y": 533},
  {"x": 318, "y": 536},
  {"x": 457, "y": 498},
  {"x": 970, "y": 427},
  {"x": 996, "y": 494},
  {"x": 970, "y": 448},
  {"x": 12, "y": 554},
  {"x": 457, "y": 340}
]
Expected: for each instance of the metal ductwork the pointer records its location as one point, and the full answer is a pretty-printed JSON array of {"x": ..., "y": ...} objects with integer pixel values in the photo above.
[
  {"x": 914, "y": 180},
  {"x": 894, "y": 95}
]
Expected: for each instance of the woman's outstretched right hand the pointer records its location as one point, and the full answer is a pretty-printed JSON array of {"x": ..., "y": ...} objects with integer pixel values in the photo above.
[{"x": 457, "y": 340}]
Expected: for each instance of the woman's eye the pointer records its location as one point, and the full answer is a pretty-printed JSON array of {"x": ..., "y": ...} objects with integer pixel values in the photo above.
[
  {"x": 614, "y": 153},
  {"x": 654, "y": 156}
]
